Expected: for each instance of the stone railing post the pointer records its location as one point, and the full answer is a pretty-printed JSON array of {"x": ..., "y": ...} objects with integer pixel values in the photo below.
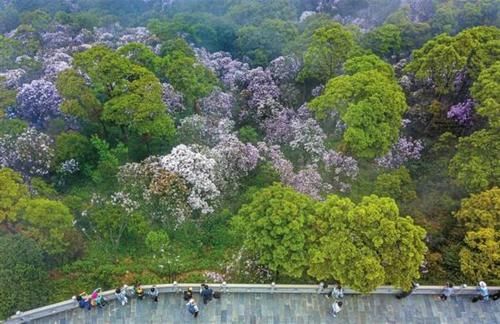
[
  {"x": 321, "y": 287},
  {"x": 224, "y": 287}
]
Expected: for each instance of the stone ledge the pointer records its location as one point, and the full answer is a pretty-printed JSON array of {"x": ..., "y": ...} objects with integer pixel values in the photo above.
[{"x": 234, "y": 288}]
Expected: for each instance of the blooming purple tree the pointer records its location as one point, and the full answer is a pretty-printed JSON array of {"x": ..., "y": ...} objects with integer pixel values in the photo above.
[
  {"x": 284, "y": 69},
  {"x": 234, "y": 160},
  {"x": 172, "y": 99},
  {"x": 198, "y": 170},
  {"x": 30, "y": 153},
  {"x": 307, "y": 181},
  {"x": 38, "y": 102},
  {"x": 340, "y": 170},
  {"x": 203, "y": 130},
  {"x": 462, "y": 113},
  {"x": 231, "y": 72},
  {"x": 218, "y": 104},
  {"x": 404, "y": 150},
  {"x": 263, "y": 95}
]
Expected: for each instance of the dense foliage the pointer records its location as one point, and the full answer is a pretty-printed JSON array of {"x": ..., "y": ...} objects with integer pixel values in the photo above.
[{"x": 246, "y": 141}]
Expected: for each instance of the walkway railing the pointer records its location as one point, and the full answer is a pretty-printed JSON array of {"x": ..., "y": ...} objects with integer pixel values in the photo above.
[{"x": 22, "y": 317}]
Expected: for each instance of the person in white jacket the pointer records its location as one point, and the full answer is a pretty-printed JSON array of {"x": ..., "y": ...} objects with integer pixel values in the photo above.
[
  {"x": 120, "y": 296},
  {"x": 336, "y": 308}
]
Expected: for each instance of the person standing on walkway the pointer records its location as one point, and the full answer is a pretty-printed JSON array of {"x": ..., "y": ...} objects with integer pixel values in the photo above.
[
  {"x": 338, "y": 292},
  {"x": 192, "y": 307},
  {"x": 483, "y": 291},
  {"x": 404, "y": 294},
  {"x": 206, "y": 293},
  {"x": 153, "y": 292},
  {"x": 188, "y": 294},
  {"x": 139, "y": 291},
  {"x": 446, "y": 292},
  {"x": 120, "y": 296},
  {"x": 336, "y": 308}
]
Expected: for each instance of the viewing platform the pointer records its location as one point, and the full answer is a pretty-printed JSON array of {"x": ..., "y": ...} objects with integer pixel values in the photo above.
[{"x": 277, "y": 304}]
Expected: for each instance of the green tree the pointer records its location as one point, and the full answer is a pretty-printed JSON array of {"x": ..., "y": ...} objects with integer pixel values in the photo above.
[
  {"x": 141, "y": 55},
  {"x": 486, "y": 91},
  {"x": 23, "y": 278},
  {"x": 38, "y": 19},
  {"x": 396, "y": 184},
  {"x": 266, "y": 41},
  {"x": 187, "y": 75},
  {"x": 368, "y": 62},
  {"x": 365, "y": 245},
  {"x": 480, "y": 215},
  {"x": 108, "y": 162},
  {"x": 384, "y": 41},
  {"x": 480, "y": 210},
  {"x": 119, "y": 226},
  {"x": 157, "y": 241},
  {"x": 329, "y": 49},
  {"x": 79, "y": 99},
  {"x": 48, "y": 222},
  {"x": 12, "y": 190},
  {"x": 9, "y": 50},
  {"x": 73, "y": 145},
  {"x": 274, "y": 226},
  {"x": 7, "y": 97},
  {"x": 371, "y": 105},
  {"x": 480, "y": 260},
  {"x": 476, "y": 165},
  {"x": 443, "y": 57},
  {"x": 131, "y": 95}
]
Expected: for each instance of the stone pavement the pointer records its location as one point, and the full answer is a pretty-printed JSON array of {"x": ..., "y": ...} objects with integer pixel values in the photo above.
[{"x": 289, "y": 308}]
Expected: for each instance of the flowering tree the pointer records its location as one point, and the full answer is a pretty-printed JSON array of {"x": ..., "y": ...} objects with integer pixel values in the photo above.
[
  {"x": 172, "y": 98},
  {"x": 160, "y": 193},
  {"x": 404, "y": 150},
  {"x": 462, "y": 112},
  {"x": 38, "y": 102},
  {"x": 218, "y": 104},
  {"x": 284, "y": 69},
  {"x": 234, "y": 159},
  {"x": 30, "y": 153},
  {"x": 340, "y": 169},
  {"x": 230, "y": 72},
  {"x": 203, "y": 130},
  {"x": 198, "y": 171}
]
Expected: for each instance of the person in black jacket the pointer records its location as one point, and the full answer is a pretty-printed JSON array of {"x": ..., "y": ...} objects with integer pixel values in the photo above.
[
  {"x": 188, "y": 294},
  {"x": 407, "y": 293},
  {"x": 207, "y": 293}
]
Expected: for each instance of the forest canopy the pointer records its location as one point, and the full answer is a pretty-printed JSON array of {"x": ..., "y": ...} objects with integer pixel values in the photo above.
[{"x": 247, "y": 141}]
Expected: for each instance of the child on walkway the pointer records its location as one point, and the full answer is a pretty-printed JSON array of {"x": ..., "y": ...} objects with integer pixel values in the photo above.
[{"x": 192, "y": 307}]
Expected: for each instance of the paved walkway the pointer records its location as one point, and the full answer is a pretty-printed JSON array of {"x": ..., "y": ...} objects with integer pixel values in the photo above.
[{"x": 289, "y": 308}]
